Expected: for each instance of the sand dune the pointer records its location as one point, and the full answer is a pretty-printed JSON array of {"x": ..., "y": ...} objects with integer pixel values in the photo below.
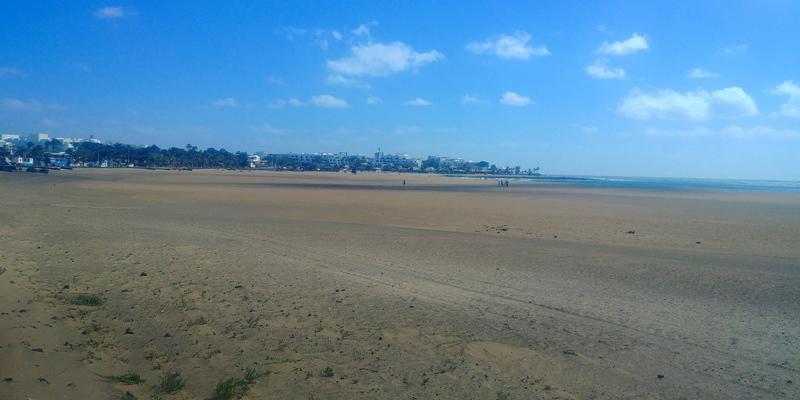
[{"x": 442, "y": 287}]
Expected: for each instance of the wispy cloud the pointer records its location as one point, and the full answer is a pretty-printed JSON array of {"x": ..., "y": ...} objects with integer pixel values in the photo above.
[
  {"x": 506, "y": 46},
  {"x": 277, "y": 104},
  {"x": 513, "y": 99},
  {"x": 588, "y": 129},
  {"x": 275, "y": 80},
  {"x": 328, "y": 101},
  {"x": 32, "y": 105},
  {"x": 267, "y": 128},
  {"x": 735, "y": 49},
  {"x": 296, "y": 102},
  {"x": 336, "y": 35},
  {"x": 362, "y": 29},
  {"x": 469, "y": 99},
  {"x": 83, "y": 67},
  {"x": 10, "y": 71},
  {"x": 733, "y": 131},
  {"x": 418, "y": 102},
  {"x": 338, "y": 79},
  {"x": 629, "y": 46},
  {"x": 227, "y": 102},
  {"x": 699, "y": 73},
  {"x": 110, "y": 13},
  {"x": 792, "y": 107},
  {"x": 374, "y": 100},
  {"x": 378, "y": 59},
  {"x": 732, "y": 102},
  {"x": 599, "y": 70}
]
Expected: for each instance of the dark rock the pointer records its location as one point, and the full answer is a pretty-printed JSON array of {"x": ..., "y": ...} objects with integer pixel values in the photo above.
[
  {"x": 66, "y": 287},
  {"x": 44, "y": 380},
  {"x": 128, "y": 331},
  {"x": 38, "y": 350},
  {"x": 66, "y": 343},
  {"x": 85, "y": 332},
  {"x": 23, "y": 310},
  {"x": 143, "y": 274},
  {"x": 167, "y": 335},
  {"x": 24, "y": 343},
  {"x": 660, "y": 376},
  {"x": 8, "y": 380},
  {"x": 697, "y": 242},
  {"x": 238, "y": 287},
  {"x": 54, "y": 318}
]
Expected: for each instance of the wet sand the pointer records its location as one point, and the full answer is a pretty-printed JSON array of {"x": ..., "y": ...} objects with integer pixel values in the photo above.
[{"x": 443, "y": 287}]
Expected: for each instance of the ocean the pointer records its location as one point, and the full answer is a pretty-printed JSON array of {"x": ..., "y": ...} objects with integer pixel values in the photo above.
[{"x": 672, "y": 183}]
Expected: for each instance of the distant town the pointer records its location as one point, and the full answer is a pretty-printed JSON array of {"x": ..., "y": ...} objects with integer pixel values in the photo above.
[{"x": 40, "y": 151}]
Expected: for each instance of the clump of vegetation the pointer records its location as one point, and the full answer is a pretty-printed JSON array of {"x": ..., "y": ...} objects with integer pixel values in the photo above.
[
  {"x": 503, "y": 396},
  {"x": 128, "y": 396},
  {"x": 86, "y": 299},
  {"x": 236, "y": 389},
  {"x": 170, "y": 383},
  {"x": 2, "y": 270},
  {"x": 250, "y": 374},
  {"x": 128, "y": 378},
  {"x": 201, "y": 320},
  {"x": 327, "y": 372},
  {"x": 229, "y": 389}
]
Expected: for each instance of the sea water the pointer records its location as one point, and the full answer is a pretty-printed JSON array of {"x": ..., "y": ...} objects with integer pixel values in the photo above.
[{"x": 672, "y": 183}]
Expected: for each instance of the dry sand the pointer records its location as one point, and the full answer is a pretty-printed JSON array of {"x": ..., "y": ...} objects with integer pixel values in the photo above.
[{"x": 442, "y": 288}]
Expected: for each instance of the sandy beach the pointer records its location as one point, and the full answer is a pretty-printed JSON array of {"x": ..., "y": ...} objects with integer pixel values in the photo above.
[{"x": 357, "y": 286}]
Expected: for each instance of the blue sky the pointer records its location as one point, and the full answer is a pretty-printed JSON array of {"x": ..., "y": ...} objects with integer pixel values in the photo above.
[{"x": 677, "y": 89}]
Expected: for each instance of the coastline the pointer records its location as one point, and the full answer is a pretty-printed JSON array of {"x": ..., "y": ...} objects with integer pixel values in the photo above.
[{"x": 440, "y": 286}]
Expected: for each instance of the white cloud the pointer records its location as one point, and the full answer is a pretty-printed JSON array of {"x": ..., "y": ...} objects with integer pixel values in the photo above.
[
  {"x": 10, "y": 71},
  {"x": 361, "y": 30},
  {"x": 227, "y": 102},
  {"x": 468, "y": 99},
  {"x": 632, "y": 45},
  {"x": 109, "y": 12},
  {"x": 588, "y": 129},
  {"x": 267, "y": 128},
  {"x": 338, "y": 79},
  {"x": 792, "y": 107},
  {"x": 33, "y": 105},
  {"x": 418, "y": 102},
  {"x": 295, "y": 102},
  {"x": 328, "y": 101},
  {"x": 275, "y": 80},
  {"x": 699, "y": 73},
  {"x": 337, "y": 35},
  {"x": 513, "y": 99},
  {"x": 732, "y": 102},
  {"x": 733, "y": 131},
  {"x": 505, "y": 46},
  {"x": 379, "y": 59},
  {"x": 373, "y": 100},
  {"x": 599, "y": 70}
]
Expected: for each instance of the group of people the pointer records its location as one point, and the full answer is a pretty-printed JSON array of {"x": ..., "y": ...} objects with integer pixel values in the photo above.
[{"x": 502, "y": 183}]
